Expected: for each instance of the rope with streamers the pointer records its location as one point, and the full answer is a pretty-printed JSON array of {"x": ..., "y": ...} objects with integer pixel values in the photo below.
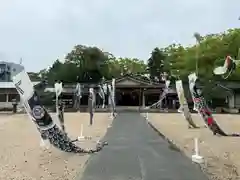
[{"x": 163, "y": 95}]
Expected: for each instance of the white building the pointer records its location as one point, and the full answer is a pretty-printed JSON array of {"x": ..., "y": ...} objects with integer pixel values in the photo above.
[
  {"x": 8, "y": 93},
  {"x": 7, "y": 88}
]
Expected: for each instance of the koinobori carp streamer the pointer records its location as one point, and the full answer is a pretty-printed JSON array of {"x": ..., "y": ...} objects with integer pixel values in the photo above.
[
  {"x": 184, "y": 105},
  {"x": 49, "y": 130},
  {"x": 202, "y": 107}
]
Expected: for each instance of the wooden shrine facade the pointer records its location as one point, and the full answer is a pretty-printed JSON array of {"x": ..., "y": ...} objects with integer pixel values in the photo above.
[
  {"x": 136, "y": 91},
  {"x": 130, "y": 91}
]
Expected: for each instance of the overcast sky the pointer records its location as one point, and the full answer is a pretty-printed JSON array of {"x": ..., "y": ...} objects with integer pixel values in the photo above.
[{"x": 41, "y": 31}]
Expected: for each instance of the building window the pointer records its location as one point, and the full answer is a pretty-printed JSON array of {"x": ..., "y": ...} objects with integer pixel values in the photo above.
[
  {"x": 13, "y": 96},
  {"x": 3, "y": 97}
]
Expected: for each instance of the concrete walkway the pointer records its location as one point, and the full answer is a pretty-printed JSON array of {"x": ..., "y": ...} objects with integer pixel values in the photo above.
[{"x": 136, "y": 152}]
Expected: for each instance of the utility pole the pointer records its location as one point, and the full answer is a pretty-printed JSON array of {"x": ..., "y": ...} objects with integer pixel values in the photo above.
[
  {"x": 198, "y": 39},
  {"x": 20, "y": 62}
]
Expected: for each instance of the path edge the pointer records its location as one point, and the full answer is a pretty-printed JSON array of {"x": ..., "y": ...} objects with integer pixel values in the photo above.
[
  {"x": 179, "y": 150},
  {"x": 166, "y": 138},
  {"x": 79, "y": 175}
]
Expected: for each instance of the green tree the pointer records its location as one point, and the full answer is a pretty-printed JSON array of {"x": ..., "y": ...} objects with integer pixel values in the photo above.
[
  {"x": 210, "y": 51},
  {"x": 54, "y": 72},
  {"x": 34, "y": 76},
  {"x": 131, "y": 66},
  {"x": 122, "y": 66},
  {"x": 90, "y": 61},
  {"x": 175, "y": 62},
  {"x": 156, "y": 63}
]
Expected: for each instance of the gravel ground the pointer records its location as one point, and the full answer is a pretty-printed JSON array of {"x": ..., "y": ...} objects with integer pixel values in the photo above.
[
  {"x": 221, "y": 154},
  {"x": 22, "y": 158}
]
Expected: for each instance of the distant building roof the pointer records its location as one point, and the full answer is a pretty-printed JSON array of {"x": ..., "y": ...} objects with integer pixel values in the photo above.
[
  {"x": 10, "y": 85},
  {"x": 139, "y": 78}
]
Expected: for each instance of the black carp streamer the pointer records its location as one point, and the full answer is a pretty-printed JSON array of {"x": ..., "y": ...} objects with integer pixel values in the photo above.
[
  {"x": 202, "y": 107},
  {"x": 48, "y": 129}
]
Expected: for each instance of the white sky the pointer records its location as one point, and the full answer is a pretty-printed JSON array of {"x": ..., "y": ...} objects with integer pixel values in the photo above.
[{"x": 41, "y": 31}]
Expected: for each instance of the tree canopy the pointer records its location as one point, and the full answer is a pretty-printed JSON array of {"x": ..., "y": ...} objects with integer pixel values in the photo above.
[
  {"x": 91, "y": 64},
  {"x": 156, "y": 63}
]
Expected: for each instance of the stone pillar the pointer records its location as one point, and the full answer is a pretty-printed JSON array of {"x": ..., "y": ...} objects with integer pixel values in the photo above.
[
  {"x": 161, "y": 102},
  {"x": 231, "y": 101},
  {"x": 7, "y": 99},
  {"x": 143, "y": 99},
  {"x": 174, "y": 103},
  {"x": 139, "y": 97}
]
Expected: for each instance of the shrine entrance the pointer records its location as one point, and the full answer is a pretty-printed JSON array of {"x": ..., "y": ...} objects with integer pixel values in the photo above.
[{"x": 127, "y": 97}]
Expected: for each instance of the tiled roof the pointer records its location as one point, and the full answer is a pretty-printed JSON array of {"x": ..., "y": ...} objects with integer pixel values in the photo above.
[
  {"x": 139, "y": 78},
  {"x": 10, "y": 85}
]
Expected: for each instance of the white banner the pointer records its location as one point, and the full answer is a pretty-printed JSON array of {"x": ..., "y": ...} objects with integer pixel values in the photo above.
[
  {"x": 23, "y": 85},
  {"x": 180, "y": 92}
]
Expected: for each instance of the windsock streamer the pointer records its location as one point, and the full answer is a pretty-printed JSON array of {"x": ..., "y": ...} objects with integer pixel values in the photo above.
[
  {"x": 184, "y": 105},
  {"x": 59, "y": 104},
  {"x": 78, "y": 96},
  {"x": 91, "y": 104},
  {"x": 102, "y": 95},
  {"x": 113, "y": 93},
  {"x": 39, "y": 115},
  {"x": 110, "y": 100},
  {"x": 100, "y": 91},
  {"x": 202, "y": 107},
  {"x": 105, "y": 90},
  {"x": 228, "y": 67}
]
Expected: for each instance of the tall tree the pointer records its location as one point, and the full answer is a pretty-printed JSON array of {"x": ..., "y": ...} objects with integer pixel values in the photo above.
[
  {"x": 34, "y": 76},
  {"x": 156, "y": 63},
  {"x": 54, "y": 72},
  {"x": 122, "y": 66},
  {"x": 91, "y": 62},
  {"x": 131, "y": 66}
]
